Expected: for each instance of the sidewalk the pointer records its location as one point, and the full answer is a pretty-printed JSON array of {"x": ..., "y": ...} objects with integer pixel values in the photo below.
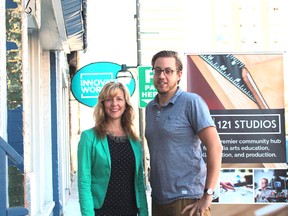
[{"x": 72, "y": 207}]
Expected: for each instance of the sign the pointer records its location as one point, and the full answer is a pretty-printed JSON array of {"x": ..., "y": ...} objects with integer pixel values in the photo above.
[
  {"x": 251, "y": 135},
  {"x": 245, "y": 95},
  {"x": 89, "y": 80},
  {"x": 246, "y": 103},
  {"x": 147, "y": 91}
]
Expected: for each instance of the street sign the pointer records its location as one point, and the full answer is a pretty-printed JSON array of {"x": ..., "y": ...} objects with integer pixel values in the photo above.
[{"x": 147, "y": 91}]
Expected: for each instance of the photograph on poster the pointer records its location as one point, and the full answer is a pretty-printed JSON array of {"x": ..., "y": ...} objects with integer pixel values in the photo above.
[
  {"x": 271, "y": 185},
  {"x": 237, "y": 81},
  {"x": 236, "y": 186}
]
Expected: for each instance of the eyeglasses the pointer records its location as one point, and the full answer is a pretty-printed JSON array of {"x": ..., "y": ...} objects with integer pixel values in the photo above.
[{"x": 158, "y": 71}]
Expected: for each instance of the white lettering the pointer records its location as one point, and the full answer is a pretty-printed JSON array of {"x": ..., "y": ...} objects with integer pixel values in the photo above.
[
  {"x": 148, "y": 76},
  {"x": 148, "y": 94},
  {"x": 149, "y": 87},
  {"x": 91, "y": 89},
  {"x": 94, "y": 82}
]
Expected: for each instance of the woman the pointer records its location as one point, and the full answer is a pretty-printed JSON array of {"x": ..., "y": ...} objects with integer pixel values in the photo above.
[{"x": 110, "y": 171}]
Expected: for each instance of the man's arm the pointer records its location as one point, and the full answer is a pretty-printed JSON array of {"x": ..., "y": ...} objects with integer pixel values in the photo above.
[{"x": 211, "y": 140}]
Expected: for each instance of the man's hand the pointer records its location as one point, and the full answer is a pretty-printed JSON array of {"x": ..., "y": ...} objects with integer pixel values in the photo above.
[
  {"x": 227, "y": 185},
  {"x": 198, "y": 208}
]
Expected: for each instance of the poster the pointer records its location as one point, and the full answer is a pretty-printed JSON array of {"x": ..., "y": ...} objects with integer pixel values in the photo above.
[{"x": 245, "y": 95}]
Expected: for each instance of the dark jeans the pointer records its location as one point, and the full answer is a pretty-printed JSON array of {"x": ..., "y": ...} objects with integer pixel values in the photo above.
[{"x": 174, "y": 208}]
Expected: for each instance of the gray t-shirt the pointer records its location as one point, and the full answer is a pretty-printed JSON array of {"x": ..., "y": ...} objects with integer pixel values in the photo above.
[{"x": 177, "y": 167}]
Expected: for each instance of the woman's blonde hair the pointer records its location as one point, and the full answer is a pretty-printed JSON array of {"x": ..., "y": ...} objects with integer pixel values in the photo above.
[{"x": 110, "y": 89}]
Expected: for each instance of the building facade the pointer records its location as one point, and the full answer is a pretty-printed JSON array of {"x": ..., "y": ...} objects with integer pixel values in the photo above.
[{"x": 42, "y": 40}]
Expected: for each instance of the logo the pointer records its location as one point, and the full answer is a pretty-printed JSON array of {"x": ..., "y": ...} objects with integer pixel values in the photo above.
[{"x": 89, "y": 80}]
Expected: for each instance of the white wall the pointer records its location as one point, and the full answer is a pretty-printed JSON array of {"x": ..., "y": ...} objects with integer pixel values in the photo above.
[
  {"x": 111, "y": 32},
  {"x": 37, "y": 131}
]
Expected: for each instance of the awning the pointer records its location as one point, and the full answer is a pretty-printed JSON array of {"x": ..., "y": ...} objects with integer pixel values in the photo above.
[
  {"x": 75, "y": 13},
  {"x": 63, "y": 25}
]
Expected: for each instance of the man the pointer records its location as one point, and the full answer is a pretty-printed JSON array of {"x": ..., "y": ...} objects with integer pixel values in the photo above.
[
  {"x": 264, "y": 191},
  {"x": 177, "y": 123}
]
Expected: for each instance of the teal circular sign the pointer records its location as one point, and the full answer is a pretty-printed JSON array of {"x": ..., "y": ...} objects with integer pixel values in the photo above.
[{"x": 89, "y": 80}]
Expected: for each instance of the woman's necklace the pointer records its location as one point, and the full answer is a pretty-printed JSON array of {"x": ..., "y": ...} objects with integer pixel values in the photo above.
[
  {"x": 117, "y": 138},
  {"x": 116, "y": 133}
]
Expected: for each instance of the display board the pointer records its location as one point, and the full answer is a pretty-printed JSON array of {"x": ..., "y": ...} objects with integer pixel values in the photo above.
[{"x": 245, "y": 95}]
